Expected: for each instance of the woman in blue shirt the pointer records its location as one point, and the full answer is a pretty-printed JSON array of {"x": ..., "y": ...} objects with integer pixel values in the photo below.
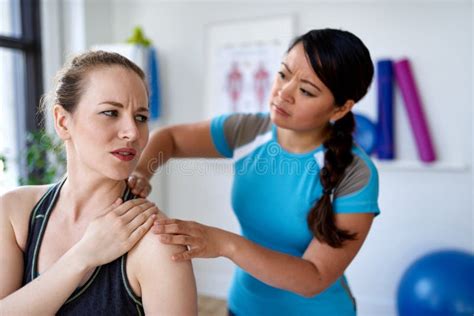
[{"x": 304, "y": 193}]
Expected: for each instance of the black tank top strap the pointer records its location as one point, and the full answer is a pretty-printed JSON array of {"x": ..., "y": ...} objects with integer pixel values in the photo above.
[
  {"x": 128, "y": 195},
  {"x": 38, "y": 220}
]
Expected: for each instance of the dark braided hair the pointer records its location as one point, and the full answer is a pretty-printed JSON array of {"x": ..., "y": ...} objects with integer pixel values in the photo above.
[{"x": 342, "y": 62}]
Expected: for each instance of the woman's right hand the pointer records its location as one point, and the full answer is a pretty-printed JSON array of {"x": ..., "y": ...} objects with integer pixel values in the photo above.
[
  {"x": 111, "y": 235},
  {"x": 139, "y": 184}
]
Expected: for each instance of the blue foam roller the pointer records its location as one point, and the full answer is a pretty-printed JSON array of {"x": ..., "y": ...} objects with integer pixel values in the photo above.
[{"x": 385, "y": 140}]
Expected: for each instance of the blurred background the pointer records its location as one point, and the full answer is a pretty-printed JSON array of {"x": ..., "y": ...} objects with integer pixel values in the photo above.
[{"x": 424, "y": 206}]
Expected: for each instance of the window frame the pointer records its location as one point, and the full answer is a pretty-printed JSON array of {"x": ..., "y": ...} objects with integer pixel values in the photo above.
[{"x": 29, "y": 43}]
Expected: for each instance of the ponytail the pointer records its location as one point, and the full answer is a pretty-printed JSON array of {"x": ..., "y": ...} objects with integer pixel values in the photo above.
[{"x": 337, "y": 157}]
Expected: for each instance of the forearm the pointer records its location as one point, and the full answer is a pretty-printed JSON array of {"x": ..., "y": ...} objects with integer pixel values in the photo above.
[
  {"x": 159, "y": 150},
  {"x": 47, "y": 293},
  {"x": 277, "y": 269}
]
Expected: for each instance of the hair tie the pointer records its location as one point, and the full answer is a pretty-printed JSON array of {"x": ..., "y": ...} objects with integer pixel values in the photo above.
[
  {"x": 324, "y": 172},
  {"x": 330, "y": 192},
  {"x": 340, "y": 134}
]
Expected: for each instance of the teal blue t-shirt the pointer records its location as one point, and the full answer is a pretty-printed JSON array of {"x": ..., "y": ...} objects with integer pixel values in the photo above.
[{"x": 272, "y": 193}]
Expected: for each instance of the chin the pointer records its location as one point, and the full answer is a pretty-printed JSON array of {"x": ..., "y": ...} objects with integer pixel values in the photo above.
[
  {"x": 118, "y": 175},
  {"x": 278, "y": 122}
]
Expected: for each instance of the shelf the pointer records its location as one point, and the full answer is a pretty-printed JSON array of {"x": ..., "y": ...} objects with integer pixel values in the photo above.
[{"x": 408, "y": 165}]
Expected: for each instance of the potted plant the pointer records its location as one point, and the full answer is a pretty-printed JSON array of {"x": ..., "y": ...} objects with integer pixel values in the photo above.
[
  {"x": 3, "y": 163},
  {"x": 44, "y": 159}
]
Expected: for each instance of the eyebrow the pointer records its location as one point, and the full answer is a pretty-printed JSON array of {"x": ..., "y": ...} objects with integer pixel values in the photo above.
[
  {"x": 120, "y": 105},
  {"x": 302, "y": 80}
]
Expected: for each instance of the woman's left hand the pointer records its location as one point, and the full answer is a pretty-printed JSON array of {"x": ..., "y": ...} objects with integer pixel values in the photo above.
[{"x": 202, "y": 241}]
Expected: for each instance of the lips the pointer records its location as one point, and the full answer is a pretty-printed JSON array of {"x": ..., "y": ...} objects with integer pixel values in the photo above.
[
  {"x": 280, "y": 110},
  {"x": 124, "y": 154}
]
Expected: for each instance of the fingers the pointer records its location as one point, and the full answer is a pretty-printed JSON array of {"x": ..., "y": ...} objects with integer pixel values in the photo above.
[
  {"x": 185, "y": 255},
  {"x": 141, "y": 217},
  {"x": 171, "y": 226},
  {"x": 139, "y": 185},
  {"x": 142, "y": 211},
  {"x": 168, "y": 229},
  {"x": 184, "y": 240},
  {"x": 191, "y": 244},
  {"x": 132, "y": 181},
  {"x": 181, "y": 233},
  {"x": 125, "y": 207},
  {"x": 172, "y": 231},
  {"x": 141, "y": 230}
]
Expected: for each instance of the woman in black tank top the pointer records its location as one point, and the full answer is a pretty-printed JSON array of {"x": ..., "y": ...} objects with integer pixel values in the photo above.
[{"x": 86, "y": 250}]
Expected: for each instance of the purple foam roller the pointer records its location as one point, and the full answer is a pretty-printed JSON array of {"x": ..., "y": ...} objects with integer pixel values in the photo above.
[{"x": 414, "y": 108}]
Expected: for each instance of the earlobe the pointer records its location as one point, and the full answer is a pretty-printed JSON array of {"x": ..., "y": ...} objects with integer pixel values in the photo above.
[
  {"x": 61, "y": 120},
  {"x": 342, "y": 110}
]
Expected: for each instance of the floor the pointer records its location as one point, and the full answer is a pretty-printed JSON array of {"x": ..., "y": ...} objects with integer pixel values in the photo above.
[{"x": 210, "y": 306}]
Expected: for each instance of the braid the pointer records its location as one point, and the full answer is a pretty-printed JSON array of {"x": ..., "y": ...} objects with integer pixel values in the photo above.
[{"x": 337, "y": 157}]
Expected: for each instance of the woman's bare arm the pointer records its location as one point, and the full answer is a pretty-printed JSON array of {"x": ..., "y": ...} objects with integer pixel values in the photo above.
[
  {"x": 180, "y": 141},
  {"x": 167, "y": 287},
  {"x": 308, "y": 275}
]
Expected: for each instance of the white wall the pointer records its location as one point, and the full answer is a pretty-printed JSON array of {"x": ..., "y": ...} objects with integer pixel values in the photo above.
[{"x": 422, "y": 208}]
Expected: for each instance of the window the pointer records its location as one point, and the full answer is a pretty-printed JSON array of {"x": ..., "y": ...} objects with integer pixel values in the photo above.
[{"x": 20, "y": 82}]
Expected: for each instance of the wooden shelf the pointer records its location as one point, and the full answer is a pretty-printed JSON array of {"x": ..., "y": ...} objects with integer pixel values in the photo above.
[{"x": 413, "y": 165}]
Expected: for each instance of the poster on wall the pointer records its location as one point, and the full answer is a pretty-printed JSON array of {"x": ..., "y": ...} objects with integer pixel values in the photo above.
[{"x": 243, "y": 59}]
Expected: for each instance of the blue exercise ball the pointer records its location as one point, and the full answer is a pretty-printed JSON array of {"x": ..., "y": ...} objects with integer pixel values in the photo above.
[
  {"x": 440, "y": 283},
  {"x": 365, "y": 133}
]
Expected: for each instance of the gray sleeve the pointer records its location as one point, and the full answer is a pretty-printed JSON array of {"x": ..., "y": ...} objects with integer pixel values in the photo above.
[
  {"x": 241, "y": 129},
  {"x": 356, "y": 176}
]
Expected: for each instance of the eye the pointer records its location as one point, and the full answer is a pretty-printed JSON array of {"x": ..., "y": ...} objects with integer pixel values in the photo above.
[
  {"x": 111, "y": 113},
  {"x": 281, "y": 75},
  {"x": 141, "y": 118},
  {"x": 306, "y": 93}
]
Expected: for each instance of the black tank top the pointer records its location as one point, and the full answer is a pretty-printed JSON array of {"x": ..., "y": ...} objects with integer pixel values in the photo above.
[{"x": 107, "y": 292}]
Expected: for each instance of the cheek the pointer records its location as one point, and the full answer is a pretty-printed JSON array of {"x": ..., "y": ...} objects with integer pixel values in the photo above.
[
  {"x": 98, "y": 132},
  {"x": 313, "y": 112},
  {"x": 144, "y": 136},
  {"x": 275, "y": 88},
  {"x": 87, "y": 129}
]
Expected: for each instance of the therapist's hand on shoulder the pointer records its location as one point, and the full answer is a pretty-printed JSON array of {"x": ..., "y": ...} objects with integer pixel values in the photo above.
[
  {"x": 200, "y": 240},
  {"x": 139, "y": 184}
]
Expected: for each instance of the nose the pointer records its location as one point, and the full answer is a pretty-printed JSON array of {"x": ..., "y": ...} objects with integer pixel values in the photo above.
[
  {"x": 129, "y": 129},
  {"x": 287, "y": 91}
]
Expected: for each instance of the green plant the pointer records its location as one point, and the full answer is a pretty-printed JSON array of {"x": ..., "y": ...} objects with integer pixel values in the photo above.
[
  {"x": 3, "y": 163},
  {"x": 45, "y": 159}
]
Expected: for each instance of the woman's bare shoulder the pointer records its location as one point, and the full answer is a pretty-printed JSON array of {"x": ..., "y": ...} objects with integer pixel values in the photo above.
[
  {"x": 157, "y": 278},
  {"x": 149, "y": 251},
  {"x": 16, "y": 206},
  {"x": 151, "y": 243},
  {"x": 21, "y": 198}
]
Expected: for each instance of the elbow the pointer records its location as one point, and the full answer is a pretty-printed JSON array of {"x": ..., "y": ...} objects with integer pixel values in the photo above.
[
  {"x": 166, "y": 136},
  {"x": 310, "y": 292},
  {"x": 311, "y": 287},
  {"x": 313, "y": 284},
  {"x": 315, "y": 287}
]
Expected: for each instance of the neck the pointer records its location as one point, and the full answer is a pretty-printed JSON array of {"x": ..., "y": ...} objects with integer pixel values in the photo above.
[
  {"x": 300, "y": 141},
  {"x": 86, "y": 194}
]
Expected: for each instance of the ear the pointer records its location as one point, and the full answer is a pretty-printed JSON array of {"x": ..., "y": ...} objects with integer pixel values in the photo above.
[
  {"x": 340, "y": 111},
  {"x": 61, "y": 122}
]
